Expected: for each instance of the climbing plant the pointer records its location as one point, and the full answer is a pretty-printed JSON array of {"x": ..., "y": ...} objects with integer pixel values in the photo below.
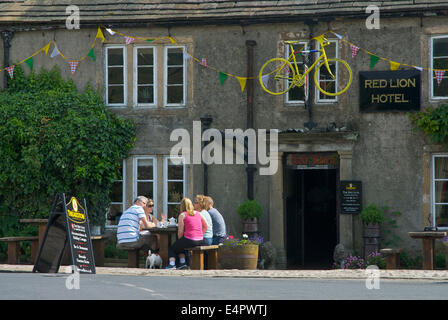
[{"x": 433, "y": 122}]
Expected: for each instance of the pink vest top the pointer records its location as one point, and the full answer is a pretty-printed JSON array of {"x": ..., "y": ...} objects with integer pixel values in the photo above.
[{"x": 193, "y": 226}]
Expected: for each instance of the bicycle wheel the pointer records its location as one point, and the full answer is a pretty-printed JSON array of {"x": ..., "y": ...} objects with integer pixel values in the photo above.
[
  {"x": 276, "y": 76},
  {"x": 333, "y": 86}
]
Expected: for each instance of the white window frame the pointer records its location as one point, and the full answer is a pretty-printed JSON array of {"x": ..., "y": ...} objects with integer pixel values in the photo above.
[
  {"x": 154, "y": 179},
  {"x": 431, "y": 70},
  {"x": 433, "y": 188},
  {"x": 165, "y": 181},
  {"x": 334, "y": 99},
  {"x": 287, "y": 53},
  {"x": 123, "y": 208},
  {"x": 106, "y": 76},
  {"x": 135, "y": 84},
  {"x": 165, "y": 79}
]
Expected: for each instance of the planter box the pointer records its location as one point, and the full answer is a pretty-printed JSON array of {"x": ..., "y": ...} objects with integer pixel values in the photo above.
[{"x": 238, "y": 257}]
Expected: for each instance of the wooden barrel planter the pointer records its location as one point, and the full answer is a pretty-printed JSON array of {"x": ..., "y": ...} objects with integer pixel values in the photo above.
[
  {"x": 250, "y": 225},
  {"x": 371, "y": 235},
  {"x": 238, "y": 257}
]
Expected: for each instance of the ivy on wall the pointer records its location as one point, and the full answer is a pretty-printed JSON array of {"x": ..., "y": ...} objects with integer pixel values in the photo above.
[{"x": 433, "y": 122}]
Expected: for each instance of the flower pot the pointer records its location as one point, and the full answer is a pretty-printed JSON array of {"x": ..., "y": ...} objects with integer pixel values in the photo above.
[
  {"x": 239, "y": 257},
  {"x": 250, "y": 225},
  {"x": 371, "y": 235}
]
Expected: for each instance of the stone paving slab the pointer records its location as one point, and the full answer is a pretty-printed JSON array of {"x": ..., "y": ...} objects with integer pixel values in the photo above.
[{"x": 438, "y": 275}]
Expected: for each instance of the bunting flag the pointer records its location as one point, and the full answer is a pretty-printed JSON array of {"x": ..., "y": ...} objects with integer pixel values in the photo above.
[
  {"x": 73, "y": 66},
  {"x": 110, "y": 31},
  {"x": 129, "y": 40},
  {"x": 186, "y": 56},
  {"x": 149, "y": 40},
  {"x": 354, "y": 49},
  {"x": 242, "y": 82},
  {"x": 91, "y": 54},
  {"x": 46, "y": 48},
  {"x": 222, "y": 77},
  {"x": 419, "y": 69},
  {"x": 338, "y": 36},
  {"x": 394, "y": 65},
  {"x": 100, "y": 35},
  {"x": 204, "y": 62},
  {"x": 55, "y": 52},
  {"x": 11, "y": 71},
  {"x": 439, "y": 76},
  {"x": 373, "y": 60},
  {"x": 265, "y": 80},
  {"x": 30, "y": 62}
]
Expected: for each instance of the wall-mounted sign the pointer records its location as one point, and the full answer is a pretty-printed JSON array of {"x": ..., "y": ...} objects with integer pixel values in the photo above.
[
  {"x": 389, "y": 90},
  {"x": 312, "y": 160},
  {"x": 351, "y": 197}
]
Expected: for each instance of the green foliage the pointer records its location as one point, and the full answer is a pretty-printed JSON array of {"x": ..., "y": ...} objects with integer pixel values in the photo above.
[
  {"x": 56, "y": 139},
  {"x": 410, "y": 262},
  {"x": 388, "y": 228},
  {"x": 440, "y": 261},
  {"x": 372, "y": 214},
  {"x": 250, "y": 209},
  {"x": 433, "y": 122}
]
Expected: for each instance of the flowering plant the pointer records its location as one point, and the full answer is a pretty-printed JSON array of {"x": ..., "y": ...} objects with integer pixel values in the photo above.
[
  {"x": 356, "y": 262},
  {"x": 231, "y": 241}
]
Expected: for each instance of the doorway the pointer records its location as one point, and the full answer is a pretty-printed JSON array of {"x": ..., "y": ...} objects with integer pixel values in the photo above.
[{"x": 311, "y": 220}]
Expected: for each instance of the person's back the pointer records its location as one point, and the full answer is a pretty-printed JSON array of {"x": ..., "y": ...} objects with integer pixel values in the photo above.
[
  {"x": 193, "y": 226},
  {"x": 129, "y": 224},
  {"x": 219, "y": 225}
]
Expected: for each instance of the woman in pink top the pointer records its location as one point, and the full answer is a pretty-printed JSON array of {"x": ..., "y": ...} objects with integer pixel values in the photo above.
[{"x": 190, "y": 230}]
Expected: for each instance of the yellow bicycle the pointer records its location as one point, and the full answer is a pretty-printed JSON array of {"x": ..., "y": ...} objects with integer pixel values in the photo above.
[{"x": 279, "y": 75}]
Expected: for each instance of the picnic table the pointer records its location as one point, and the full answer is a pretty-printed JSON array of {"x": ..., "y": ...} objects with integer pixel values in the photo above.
[
  {"x": 166, "y": 236},
  {"x": 41, "y": 223},
  {"x": 428, "y": 246}
]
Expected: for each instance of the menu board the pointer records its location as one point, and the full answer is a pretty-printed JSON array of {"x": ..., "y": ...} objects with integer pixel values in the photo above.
[
  {"x": 351, "y": 197},
  {"x": 68, "y": 224}
]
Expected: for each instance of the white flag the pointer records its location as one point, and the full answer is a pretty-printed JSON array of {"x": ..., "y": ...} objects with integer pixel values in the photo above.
[
  {"x": 110, "y": 31},
  {"x": 54, "y": 53},
  {"x": 265, "y": 80}
]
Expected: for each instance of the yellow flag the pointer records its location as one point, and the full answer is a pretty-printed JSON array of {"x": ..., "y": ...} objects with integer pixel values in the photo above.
[
  {"x": 100, "y": 35},
  {"x": 46, "y": 48},
  {"x": 394, "y": 65},
  {"x": 242, "y": 82}
]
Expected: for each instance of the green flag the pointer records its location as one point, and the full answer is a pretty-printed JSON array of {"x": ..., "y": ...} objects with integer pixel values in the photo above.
[
  {"x": 91, "y": 54},
  {"x": 149, "y": 40},
  {"x": 373, "y": 60},
  {"x": 30, "y": 62},
  {"x": 222, "y": 77}
]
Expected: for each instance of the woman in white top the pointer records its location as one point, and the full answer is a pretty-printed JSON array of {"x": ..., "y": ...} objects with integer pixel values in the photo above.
[{"x": 201, "y": 206}]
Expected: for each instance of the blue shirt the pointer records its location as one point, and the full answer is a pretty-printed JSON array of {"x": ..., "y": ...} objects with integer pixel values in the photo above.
[{"x": 219, "y": 225}]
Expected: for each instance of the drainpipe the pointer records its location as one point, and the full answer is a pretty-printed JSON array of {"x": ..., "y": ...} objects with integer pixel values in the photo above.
[
  {"x": 7, "y": 37},
  {"x": 309, "y": 61},
  {"x": 250, "y": 168},
  {"x": 206, "y": 121}
]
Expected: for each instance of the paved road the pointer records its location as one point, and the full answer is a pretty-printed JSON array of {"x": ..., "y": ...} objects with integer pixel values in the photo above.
[{"x": 131, "y": 287}]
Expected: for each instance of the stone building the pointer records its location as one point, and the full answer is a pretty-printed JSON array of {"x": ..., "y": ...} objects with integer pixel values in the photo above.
[{"x": 322, "y": 140}]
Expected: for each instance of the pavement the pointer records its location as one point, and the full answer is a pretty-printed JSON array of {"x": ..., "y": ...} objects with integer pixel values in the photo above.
[{"x": 405, "y": 274}]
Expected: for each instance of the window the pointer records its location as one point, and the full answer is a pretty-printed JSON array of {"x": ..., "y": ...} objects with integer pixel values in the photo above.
[
  {"x": 174, "y": 184},
  {"x": 324, "y": 77},
  {"x": 115, "y": 76},
  {"x": 174, "y": 82},
  {"x": 296, "y": 94},
  {"x": 439, "y": 186},
  {"x": 439, "y": 60},
  {"x": 118, "y": 198},
  {"x": 145, "y": 178},
  {"x": 145, "y": 77}
]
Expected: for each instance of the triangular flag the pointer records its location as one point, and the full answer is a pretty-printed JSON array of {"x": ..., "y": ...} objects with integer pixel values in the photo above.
[
  {"x": 46, "y": 48},
  {"x": 30, "y": 62},
  {"x": 439, "y": 76},
  {"x": 355, "y": 50},
  {"x": 204, "y": 62},
  {"x": 11, "y": 71},
  {"x": 91, "y": 54},
  {"x": 373, "y": 60},
  {"x": 172, "y": 41},
  {"x": 242, "y": 82},
  {"x": 186, "y": 56},
  {"x": 150, "y": 40},
  {"x": 419, "y": 69},
  {"x": 100, "y": 35},
  {"x": 129, "y": 40},
  {"x": 265, "y": 79},
  {"x": 110, "y": 31},
  {"x": 338, "y": 35},
  {"x": 73, "y": 66},
  {"x": 55, "y": 52},
  {"x": 222, "y": 77},
  {"x": 394, "y": 65}
]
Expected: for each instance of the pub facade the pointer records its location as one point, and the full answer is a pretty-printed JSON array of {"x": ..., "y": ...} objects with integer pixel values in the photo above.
[{"x": 201, "y": 66}]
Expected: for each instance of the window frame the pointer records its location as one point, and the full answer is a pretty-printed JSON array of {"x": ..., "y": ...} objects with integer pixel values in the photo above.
[
  {"x": 334, "y": 99},
  {"x": 165, "y": 78},
  {"x": 123, "y": 208},
  {"x": 294, "y": 102},
  {"x": 166, "y": 180},
  {"x": 136, "y": 104},
  {"x": 154, "y": 180},
  {"x": 431, "y": 69},
  {"x": 106, "y": 76},
  {"x": 433, "y": 184}
]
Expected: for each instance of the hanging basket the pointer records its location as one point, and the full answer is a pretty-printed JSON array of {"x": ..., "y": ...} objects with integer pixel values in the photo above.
[{"x": 238, "y": 257}]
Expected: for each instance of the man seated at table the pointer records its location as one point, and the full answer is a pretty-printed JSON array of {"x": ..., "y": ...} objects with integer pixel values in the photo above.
[{"x": 128, "y": 231}]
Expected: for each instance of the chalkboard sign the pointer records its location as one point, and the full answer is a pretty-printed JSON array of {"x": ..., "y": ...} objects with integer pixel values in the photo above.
[
  {"x": 68, "y": 224},
  {"x": 351, "y": 197}
]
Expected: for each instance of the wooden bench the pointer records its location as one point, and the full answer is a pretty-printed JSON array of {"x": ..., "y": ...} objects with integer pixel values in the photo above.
[
  {"x": 392, "y": 257},
  {"x": 197, "y": 257},
  {"x": 14, "y": 248}
]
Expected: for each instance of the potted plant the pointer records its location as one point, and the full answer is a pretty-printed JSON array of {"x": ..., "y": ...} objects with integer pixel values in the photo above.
[
  {"x": 250, "y": 211},
  {"x": 241, "y": 253},
  {"x": 371, "y": 216}
]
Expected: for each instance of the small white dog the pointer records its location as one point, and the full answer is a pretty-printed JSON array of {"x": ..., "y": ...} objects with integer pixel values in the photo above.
[{"x": 153, "y": 261}]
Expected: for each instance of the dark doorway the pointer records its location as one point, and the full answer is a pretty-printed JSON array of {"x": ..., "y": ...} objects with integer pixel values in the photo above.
[{"x": 311, "y": 217}]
